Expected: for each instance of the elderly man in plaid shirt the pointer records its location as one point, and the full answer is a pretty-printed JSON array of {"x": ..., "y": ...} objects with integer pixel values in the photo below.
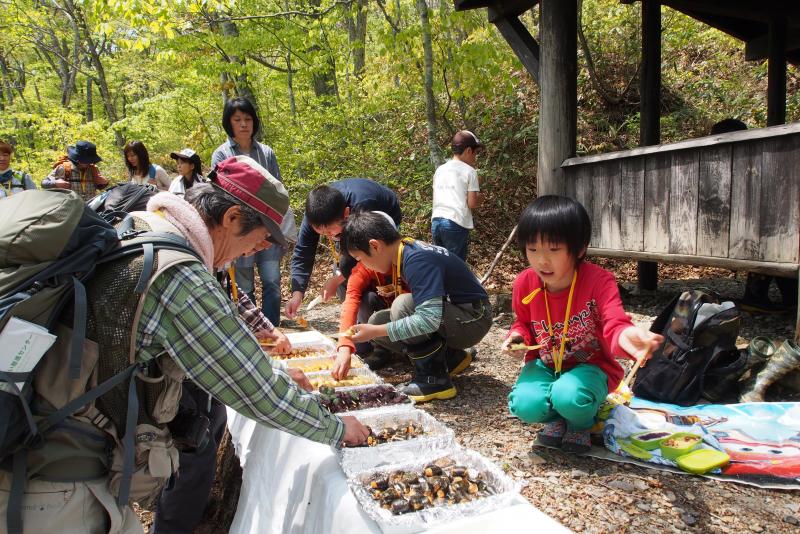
[{"x": 187, "y": 314}]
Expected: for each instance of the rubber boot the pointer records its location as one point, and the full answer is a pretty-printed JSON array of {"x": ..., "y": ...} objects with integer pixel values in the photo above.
[
  {"x": 378, "y": 358},
  {"x": 431, "y": 381},
  {"x": 458, "y": 360},
  {"x": 786, "y": 360},
  {"x": 756, "y": 295}
]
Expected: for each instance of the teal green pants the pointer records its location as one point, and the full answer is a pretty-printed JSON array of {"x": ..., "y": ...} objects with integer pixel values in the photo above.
[{"x": 540, "y": 397}]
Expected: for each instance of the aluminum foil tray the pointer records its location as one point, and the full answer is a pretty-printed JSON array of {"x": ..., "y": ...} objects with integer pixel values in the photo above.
[
  {"x": 436, "y": 437},
  {"x": 350, "y": 410},
  {"x": 358, "y": 371},
  {"x": 324, "y": 364},
  {"x": 503, "y": 487}
]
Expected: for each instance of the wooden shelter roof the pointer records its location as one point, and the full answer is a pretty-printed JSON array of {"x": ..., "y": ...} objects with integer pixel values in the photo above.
[{"x": 746, "y": 20}]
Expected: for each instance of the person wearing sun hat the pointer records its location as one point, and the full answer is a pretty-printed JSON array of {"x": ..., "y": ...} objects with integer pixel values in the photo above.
[
  {"x": 190, "y": 170},
  {"x": 78, "y": 171},
  {"x": 187, "y": 315}
]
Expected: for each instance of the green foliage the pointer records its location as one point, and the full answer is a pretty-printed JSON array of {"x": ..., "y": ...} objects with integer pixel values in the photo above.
[{"x": 168, "y": 65}]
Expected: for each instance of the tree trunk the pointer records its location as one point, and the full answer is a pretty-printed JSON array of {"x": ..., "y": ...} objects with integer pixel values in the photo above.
[
  {"x": 323, "y": 81},
  {"x": 357, "y": 32},
  {"x": 243, "y": 88},
  {"x": 8, "y": 87},
  {"x": 97, "y": 64},
  {"x": 290, "y": 86},
  {"x": 430, "y": 102},
  {"x": 89, "y": 102}
]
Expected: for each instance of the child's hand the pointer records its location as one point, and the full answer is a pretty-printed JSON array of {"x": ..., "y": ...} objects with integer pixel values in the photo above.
[
  {"x": 639, "y": 343},
  {"x": 513, "y": 339},
  {"x": 367, "y": 332},
  {"x": 342, "y": 364}
]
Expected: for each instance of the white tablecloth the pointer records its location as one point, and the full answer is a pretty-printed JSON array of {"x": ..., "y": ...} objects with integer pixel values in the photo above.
[{"x": 292, "y": 485}]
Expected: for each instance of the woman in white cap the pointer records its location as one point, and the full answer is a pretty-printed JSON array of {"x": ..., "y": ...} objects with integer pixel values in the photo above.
[{"x": 189, "y": 171}]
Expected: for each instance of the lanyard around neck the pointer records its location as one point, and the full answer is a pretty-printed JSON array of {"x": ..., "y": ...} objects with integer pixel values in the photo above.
[
  {"x": 396, "y": 274},
  {"x": 557, "y": 361},
  {"x": 332, "y": 248}
]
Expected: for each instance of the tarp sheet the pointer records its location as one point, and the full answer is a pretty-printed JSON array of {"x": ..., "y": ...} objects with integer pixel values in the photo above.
[{"x": 762, "y": 438}]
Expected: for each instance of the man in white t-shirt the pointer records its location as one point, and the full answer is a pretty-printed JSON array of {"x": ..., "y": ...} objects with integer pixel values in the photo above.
[{"x": 456, "y": 192}]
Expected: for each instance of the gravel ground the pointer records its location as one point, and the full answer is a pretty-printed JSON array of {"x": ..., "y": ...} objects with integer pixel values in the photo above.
[{"x": 587, "y": 494}]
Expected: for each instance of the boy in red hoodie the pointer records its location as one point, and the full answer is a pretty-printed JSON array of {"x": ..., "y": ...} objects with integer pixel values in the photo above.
[{"x": 570, "y": 319}]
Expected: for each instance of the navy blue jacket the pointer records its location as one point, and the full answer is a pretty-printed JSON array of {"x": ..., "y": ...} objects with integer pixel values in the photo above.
[{"x": 358, "y": 193}]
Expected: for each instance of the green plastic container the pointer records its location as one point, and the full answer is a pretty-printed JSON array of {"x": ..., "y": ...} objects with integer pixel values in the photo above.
[
  {"x": 634, "y": 450},
  {"x": 673, "y": 452},
  {"x": 649, "y": 440},
  {"x": 701, "y": 461}
]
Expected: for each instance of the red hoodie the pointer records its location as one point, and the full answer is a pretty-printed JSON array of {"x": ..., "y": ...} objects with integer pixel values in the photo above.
[{"x": 596, "y": 320}]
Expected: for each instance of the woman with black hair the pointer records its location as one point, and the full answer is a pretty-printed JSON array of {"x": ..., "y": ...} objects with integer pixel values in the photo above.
[
  {"x": 140, "y": 170},
  {"x": 189, "y": 171},
  {"x": 241, "y": 123}
]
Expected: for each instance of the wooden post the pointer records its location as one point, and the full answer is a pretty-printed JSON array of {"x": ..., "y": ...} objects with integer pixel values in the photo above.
[
  {"x": 776, "y": 72},
  {"x": 650, "y": 98},
  {"x": 559, "y": 94}
]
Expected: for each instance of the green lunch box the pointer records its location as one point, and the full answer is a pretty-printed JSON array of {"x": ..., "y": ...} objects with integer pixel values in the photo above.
[
  {"x": 672, "y": 452},
  {"x": 702, "y": 461},
  {"x": 649, "y": 440}
]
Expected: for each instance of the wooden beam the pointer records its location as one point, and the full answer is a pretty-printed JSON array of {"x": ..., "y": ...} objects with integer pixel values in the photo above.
[
  {"x": 650, "y": 107},
  {"x": 776, "y": 73},
  {"x": 558, "y": 92},
  {"x": 521, "y": 41},
  {"x": 709, "y": 140},
  {"x": 758, "y": 48},
  {"x": 764, "y": 267},
  {"x": 506, "y": 7}
]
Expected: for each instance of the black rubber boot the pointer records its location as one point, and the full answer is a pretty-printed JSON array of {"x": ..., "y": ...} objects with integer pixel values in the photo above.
[
  {"x": 431, "y": 381},
  {"x": 378, "y": 358},
  {"x": 458, "y": 360}
]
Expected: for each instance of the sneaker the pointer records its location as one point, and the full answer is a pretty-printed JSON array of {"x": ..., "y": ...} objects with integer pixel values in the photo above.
[
  {"x": 378, "y": 358},
  {"x": 577, "y": 442},
  {"x": 458, "y": 360},
  {"x": 551, "y": 434},
  {"x": 428, "y": 388}
]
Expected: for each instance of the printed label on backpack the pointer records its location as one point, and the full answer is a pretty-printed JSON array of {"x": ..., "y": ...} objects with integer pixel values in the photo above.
[{"x": 24, "y": 344}]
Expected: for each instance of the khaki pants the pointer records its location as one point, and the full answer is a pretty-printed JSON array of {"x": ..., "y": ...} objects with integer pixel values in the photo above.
[
  {"x": 463, "y": 325},
  {"x": 65, "y": 507}
]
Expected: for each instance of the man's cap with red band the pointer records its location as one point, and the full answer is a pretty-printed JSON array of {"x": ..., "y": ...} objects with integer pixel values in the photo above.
[{"x": 252, "y": 184}]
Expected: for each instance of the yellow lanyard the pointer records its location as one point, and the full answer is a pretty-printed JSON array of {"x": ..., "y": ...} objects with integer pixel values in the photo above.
[
  {"x": 234, "y": 289},
  {"x": 335, "y": 254},
  {"x": 396, "y": 275},
  {"x": 557, "y": 361}
]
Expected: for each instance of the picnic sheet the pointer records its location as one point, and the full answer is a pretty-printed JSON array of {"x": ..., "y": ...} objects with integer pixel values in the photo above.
[
  {"x": 762, "y": 439},
  {"x": 292, "y": 485}
]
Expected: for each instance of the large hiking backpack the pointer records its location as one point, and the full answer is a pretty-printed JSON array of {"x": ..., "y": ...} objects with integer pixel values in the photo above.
[
  {"x": 698, "y": 333},
  {"x": 51, "y": 245},
  {"x": 116, "y": 202}
]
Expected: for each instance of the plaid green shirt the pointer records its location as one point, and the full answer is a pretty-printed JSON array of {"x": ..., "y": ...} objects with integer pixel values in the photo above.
[{"x": 187, "y": 315}]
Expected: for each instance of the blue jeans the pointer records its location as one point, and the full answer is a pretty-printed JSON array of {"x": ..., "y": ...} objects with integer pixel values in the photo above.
[
  {"x": 269, "y": 270},
  {"x": 451, "y": 236}
]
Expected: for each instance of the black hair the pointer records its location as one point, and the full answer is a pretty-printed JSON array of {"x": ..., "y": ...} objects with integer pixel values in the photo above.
[
  {"x": 197, "y": 165},
  {"x": 728, "y": 125},
  {"x": 555, "y": 219},
  {"x": 212, "y": 203},
  {"x": 365, "y": 225},
  {"x": 243, "y": 105},
  {"x": 324, "y": 205},
  {"x": 138, "y": 148}
]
